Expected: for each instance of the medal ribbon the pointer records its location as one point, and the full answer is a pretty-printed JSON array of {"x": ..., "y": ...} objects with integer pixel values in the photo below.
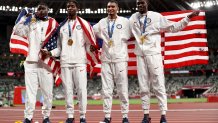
[
  {"x": 74, "y": 25},
  {"x": 110, "y": 30},
  {"x": 144, "y": 24}
]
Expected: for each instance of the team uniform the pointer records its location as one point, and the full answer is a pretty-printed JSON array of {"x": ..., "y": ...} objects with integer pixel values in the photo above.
[
  {"x": 72, "y": 48},
  {"x": 37, "y": 73},
  {"x": 147, "y": 32},
  {"x": 114, "y": 57}
]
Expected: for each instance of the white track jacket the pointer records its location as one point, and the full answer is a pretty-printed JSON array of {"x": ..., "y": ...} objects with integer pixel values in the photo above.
[
  {"x": 118, "y": 52},
  {"x": 156, "y": 23}
]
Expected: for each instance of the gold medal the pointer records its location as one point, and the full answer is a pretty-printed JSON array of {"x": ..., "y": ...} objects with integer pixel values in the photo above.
[
  {"x": 33, "y": 20},
  {"x": 110, "y": 43},
  {"x": 70, "y": 42},
  {"x": 143, "y": 39}
]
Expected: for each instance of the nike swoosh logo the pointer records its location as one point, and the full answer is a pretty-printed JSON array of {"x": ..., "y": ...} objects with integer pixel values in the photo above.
[
  {"x": 81, "y": 70},
  {"x": 121, "y": 70}
]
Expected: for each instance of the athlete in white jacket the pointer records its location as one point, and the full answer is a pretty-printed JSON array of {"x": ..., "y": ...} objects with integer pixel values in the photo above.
[
  {"x": 115, "y": 31},
  {"x": 72, "y": 47},
  {"x": 37, "y": 74},
  {"x": 146, "y": 27}
]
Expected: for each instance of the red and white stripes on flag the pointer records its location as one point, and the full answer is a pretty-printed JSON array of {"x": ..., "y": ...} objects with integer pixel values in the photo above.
[
  {"x": 184, "y": 48},
  {"x": 92, "y": 57},
  {"x": 55, "y": 67},
  {"x": 51, "y": 37},
  {"x": 18, "y": 44}
]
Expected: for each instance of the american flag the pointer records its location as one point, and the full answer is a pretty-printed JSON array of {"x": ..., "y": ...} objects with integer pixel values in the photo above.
[
  {"x": 187, "y": 47},
  {"x": 49, "y": 45},
  {"x": 93, "y": 58},
  {"x": 184, "y": 48},
  {"x": 19, "y": 45}
]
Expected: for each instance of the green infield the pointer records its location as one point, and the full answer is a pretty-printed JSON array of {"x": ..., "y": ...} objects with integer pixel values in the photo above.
[{"x": 137, "y": 101}]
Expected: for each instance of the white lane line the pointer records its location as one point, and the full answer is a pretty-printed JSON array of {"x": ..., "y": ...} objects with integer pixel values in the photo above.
[{"x": 171, "y": 110}]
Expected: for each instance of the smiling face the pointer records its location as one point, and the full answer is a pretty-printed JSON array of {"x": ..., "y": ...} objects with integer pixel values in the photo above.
[
  {"x": 112, "y": 8},
  {"x": 72, "y": 9},
  {"x": 42, "y": 11},
  {"x": 142, "y": 6}
]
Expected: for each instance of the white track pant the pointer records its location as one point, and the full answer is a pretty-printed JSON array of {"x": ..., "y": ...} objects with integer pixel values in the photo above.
[
  {"x": 37, "y": 75},
  {"x": 150, "y": 73},
  {"x": 75, "y": 76},
  {"x": 115, "y": 73}
]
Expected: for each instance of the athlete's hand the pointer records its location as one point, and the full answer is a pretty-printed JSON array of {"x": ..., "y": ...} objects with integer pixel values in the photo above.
[
  {"x": 92, "y": 48},
  {"x": 193, "y": 14},
  {"x": 45, "y": 53},
  {"x": 29, "y": 14}
]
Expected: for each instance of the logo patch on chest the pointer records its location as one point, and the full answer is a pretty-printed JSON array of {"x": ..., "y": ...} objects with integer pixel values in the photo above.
[
  {"x": 119, "y": 26},
  {"x": 78, "y": 27},
  {"x": 148, "y": 20}
]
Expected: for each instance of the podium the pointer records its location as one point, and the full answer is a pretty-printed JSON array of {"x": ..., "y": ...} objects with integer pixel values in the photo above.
[{"x": 20, "y": 96}]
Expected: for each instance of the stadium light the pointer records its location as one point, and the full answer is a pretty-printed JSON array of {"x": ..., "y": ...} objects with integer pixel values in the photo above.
[
  {"x": 51, "y": 10},
  {"x": 121, "y": 11},
  {"x": 105, "y": 10},
  {"x": 207, "y": 4},
  {"x": 63, "y": 10},
  {"x": 88, "y": 11},
  {"x": 17, "y": 9},
  {"x": 99, "y": 11},
  {"x": 196, "y": 5},
  {"x": 3, "y": 8},
  {"x": 102, "y": 10}
]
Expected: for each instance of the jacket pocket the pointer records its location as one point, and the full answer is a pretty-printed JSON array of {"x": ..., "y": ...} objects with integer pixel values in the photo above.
[{"x": 157, "y": 65}]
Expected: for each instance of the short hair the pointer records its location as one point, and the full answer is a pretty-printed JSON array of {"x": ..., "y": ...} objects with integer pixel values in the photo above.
[
  {"x": 147, "y": 1},
  {"x": 74, "y": 1},
  {"x": 42, "y": 3},
  {"x": 113, "y": 1}
]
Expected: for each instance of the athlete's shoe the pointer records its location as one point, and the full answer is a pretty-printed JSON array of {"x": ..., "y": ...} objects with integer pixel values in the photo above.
[
  {"x": 106, "y": 120},
  {"x": 163, "y": 119},
  {"x": 46, "y": 120},
  {"x": 70, "y": 120},
  {"x": 27, "y": 121},
  {"x": 82, "y": 120},
  {"x": 125, "y": 120},
  {"x": 146, "y": 120}
]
